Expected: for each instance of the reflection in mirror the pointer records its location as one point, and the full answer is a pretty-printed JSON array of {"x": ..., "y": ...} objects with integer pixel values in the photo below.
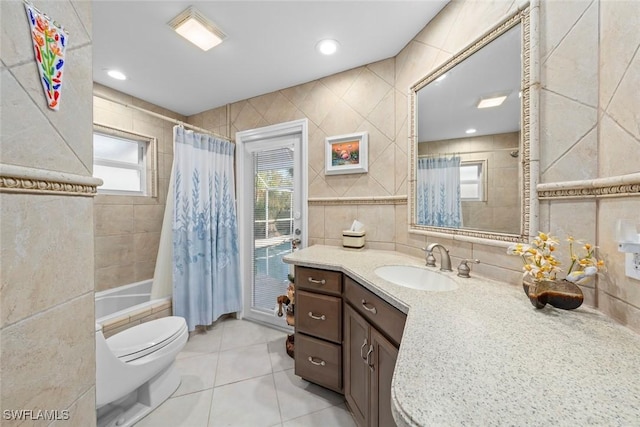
[{"x": 469, "y": 162}]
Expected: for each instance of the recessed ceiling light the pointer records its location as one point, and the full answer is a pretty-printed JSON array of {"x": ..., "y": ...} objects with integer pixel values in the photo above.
[
  {"x": 327, "y": 47},
  {"x": 195, "y": 27},
  {"x": 492, "y": 102},
  {"x": 115, "y": 74},
  {"x": 470, "y": 131}
]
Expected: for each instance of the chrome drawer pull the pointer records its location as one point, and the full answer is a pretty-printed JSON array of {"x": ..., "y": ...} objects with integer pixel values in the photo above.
[
  {"x": 372, "y": 309},
  {"x": 320, "y": 363},
  {"x": 317, "y": 282},
  {"x": 321, "y": 317},
  {"x": 362, "y": 356}
]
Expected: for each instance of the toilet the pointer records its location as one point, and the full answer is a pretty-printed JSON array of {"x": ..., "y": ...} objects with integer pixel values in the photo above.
[{"x": 135, "y": 369}]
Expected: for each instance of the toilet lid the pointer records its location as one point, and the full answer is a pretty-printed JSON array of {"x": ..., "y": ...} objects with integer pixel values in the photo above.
[{"x": 146, "y": 338}]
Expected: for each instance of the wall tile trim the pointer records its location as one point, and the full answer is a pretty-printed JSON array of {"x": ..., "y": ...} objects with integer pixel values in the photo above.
[
  {"x": 615, "y": 186},
  {"x": 338, "y": 201},
  {"x": 20, "y": 179}
]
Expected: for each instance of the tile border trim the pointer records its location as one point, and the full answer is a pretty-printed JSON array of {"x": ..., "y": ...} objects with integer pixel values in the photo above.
[
  {"x": 615, "y": 186},
  {"x": 20, "y": 179},
  {"x": 375, "y": 200}
]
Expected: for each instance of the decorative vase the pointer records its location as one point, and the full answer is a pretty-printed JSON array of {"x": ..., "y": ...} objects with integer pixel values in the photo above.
[{"x": 558, "y": 293}]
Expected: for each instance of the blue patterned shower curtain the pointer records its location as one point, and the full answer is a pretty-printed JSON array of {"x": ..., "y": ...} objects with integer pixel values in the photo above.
[
  {"x": 438, "y": 188},
  {"x": 206, "y": 266}
]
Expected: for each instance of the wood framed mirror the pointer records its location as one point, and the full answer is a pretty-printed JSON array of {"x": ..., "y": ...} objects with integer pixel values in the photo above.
[{"x": 473, "y": 167}]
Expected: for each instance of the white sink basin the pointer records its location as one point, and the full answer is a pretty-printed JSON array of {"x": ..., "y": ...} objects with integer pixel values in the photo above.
[{"x": 416, "y": 278}]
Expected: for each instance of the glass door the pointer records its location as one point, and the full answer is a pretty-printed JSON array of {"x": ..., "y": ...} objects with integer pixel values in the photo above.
[{"x": 272, "y": 219}]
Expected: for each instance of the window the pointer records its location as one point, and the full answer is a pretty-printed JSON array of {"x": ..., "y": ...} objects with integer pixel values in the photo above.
[
  {"x": 125, "y": 162},
  {"x": 472, "y": 180}
]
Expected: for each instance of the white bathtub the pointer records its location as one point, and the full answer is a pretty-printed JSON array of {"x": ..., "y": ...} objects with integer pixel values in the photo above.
[{"x": 129, "y": 305}]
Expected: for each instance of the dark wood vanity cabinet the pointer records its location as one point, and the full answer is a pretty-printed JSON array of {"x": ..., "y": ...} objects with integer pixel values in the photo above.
[
  {"x": 347, "y": 339},
  {"x": 318, "y": 327},
  {"x": 372, "y": 333}
]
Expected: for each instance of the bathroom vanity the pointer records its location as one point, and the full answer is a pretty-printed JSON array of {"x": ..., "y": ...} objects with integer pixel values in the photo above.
[
  {"x": 347, "y": 340},
  {"x": 477, "y": 354}
]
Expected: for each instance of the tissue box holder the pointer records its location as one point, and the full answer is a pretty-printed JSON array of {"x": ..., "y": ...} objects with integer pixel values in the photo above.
[{"x": 353, "y": 239}]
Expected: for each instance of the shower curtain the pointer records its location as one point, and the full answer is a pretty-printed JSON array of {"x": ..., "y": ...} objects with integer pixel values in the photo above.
[
  {"x": 206, "y": 267},
  {"x": 438, "y": 188}
]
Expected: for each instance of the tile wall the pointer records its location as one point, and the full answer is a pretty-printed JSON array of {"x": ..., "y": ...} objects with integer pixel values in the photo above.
[
  {"x": 588, "y": 128},
  {"x": 127, "y": 228},
  {"x": 47, "y": 338},
  {"x": 590, "y": 62}
]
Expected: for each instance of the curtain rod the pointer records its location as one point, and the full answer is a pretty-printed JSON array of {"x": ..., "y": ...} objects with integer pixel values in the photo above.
[
  {"x": 512, "y": 150},
  {"x": 166, "y": 118}
]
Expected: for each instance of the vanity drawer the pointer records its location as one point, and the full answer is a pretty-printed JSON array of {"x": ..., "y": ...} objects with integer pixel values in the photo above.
[
  {"x": 319, "y": 315},
  {"x": 318, "y": 361},
  {"x": 324, "y": 281},
  {"x": 388, "y": 319}
]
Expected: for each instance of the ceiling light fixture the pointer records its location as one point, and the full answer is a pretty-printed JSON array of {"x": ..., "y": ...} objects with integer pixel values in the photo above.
[
  {"x": 195, "y": 27},
  {"x": 115, "y": 74},
  {"x": 470, "y": 131},
  {"x": 491, "y": 102},
  {"x": 327, "y": 47}
]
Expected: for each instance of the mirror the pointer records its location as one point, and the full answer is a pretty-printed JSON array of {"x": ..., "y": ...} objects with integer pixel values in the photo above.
[{"x": 470, "y": 140}]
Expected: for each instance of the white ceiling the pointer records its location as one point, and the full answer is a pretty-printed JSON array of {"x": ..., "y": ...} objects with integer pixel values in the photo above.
[{"x": 270, "y": 46}]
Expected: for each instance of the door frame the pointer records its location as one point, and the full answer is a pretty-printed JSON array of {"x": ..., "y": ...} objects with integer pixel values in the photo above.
[{"x": 292, "y": 128}]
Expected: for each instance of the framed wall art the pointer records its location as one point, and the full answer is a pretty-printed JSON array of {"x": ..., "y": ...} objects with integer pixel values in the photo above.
[{"x": 346, "y": 154}]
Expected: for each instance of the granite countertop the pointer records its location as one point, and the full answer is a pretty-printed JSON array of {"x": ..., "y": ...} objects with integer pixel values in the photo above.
[{"x": 483, "y": 355}]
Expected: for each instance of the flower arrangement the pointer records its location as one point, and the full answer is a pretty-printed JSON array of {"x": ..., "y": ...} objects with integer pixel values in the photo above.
[{"x": 541, "y": 264}]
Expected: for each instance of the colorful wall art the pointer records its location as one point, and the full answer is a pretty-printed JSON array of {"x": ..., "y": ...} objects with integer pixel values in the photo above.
[{"x": 49, "y": 44}]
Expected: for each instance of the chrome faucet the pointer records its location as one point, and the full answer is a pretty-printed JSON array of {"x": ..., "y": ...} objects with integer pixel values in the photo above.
[{"x": 445, "y": 260}]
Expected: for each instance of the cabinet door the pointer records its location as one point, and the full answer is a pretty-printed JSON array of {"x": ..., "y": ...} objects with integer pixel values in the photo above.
[
  {"x": 384, "y": 362},
  {"x": 356, "y": 371}
]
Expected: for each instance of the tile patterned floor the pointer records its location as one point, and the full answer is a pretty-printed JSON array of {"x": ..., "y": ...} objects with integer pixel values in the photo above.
[{"x": 237, "y": 373}]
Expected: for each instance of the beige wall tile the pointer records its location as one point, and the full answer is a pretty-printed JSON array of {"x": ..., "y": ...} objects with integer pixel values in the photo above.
[
  {"x": 580, "y": 162},
  {"x": 338, "y": 218},
  {"x": 114, "y": 275},
  {"x": 16, "y": 47},
  {"x": 571, "y": 69},
  {"x": 379, "y": 222},
  {"x": 366, "y": 92},
  {"x": 555, "y": 136},
  {"x": 619, "y": 152},
  {"x": 341, "y": 82},
  {"x": 75, "y": 97},
  {"x": 614, "y": 282},
  {"x": 316, "y": 222},
  {"x": 113, "y": 219},
  {"x": 144, "y": 270},
  {"x": 146, "y": 246},
  {"x": 83, "y": 411},
  {"x": 619, "y": 311},
  {"x": 113, "y": 250},
  {"x": 47, "y": 252},
  {"x": 619, "y": 39},
  {"x": 382, "y": 170},
  {"x": 60, "y": 365},
  {"x": 556, "y": 20},
  {"x": 625, "y": 105},
  {"x": 341, "y": 120},
  {"x": 148, "y": 218},
  {"x": 25, "y": 145}
]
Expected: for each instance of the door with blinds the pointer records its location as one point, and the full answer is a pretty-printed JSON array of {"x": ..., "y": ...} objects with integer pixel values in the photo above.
[{"x": 272, "y": 212}]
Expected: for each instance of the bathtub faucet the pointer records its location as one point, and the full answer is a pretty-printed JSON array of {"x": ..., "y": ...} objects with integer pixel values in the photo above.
[{"x": 445, "y": 260}]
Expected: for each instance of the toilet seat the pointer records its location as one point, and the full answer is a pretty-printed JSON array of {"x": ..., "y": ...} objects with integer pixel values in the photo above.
[{"x": 146, "y": 338}]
